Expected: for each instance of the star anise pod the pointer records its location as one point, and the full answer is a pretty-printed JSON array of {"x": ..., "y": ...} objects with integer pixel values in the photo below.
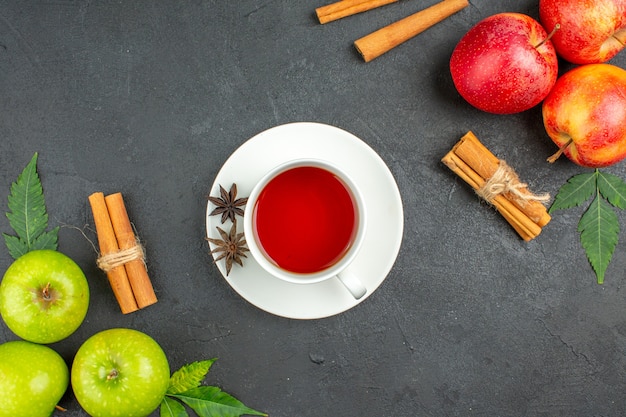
[
  {"x": 228, "y": 205},
  {"x": 231, "y": 247}
]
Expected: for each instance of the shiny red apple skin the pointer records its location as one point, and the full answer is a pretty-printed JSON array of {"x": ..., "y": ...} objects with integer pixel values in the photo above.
[
  {"x": 588, "y": 105},
  {"x": 498, "y": 68},
  {"x": 591, "y": 31}
]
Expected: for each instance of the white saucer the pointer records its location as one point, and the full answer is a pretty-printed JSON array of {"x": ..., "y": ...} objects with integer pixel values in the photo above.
[{"x": 385, "y": 220}]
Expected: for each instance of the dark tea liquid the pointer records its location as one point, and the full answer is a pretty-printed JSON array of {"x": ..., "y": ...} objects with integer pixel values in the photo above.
[{"x": 305, "y": 219}]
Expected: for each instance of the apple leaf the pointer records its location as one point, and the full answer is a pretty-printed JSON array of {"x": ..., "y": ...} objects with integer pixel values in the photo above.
[
  {"x": 185, "y": 386},
  {"x": 189, "y": 376},
  {"x": 28, "y": 216},
  {"x": 209, "y": 401},
  {"x": 172, "y": 408},
  {"x": 599, "y": 229},
  {"x": 599, "y": 225},
  {"x": 17, "y": 247},
  {"x": 575, "y": 191},
  {"x": 613, "y": 188}
]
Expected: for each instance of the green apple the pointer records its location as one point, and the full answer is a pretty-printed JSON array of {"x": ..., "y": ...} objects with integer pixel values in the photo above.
[
  {"x": 44, "y": 296},
  {"x": 33, "y": 378},
  {"x": 120, "y": 372}
]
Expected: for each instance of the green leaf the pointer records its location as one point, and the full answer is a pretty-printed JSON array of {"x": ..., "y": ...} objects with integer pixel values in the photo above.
[
  {"x": 46, "y": 240},
  {"x": 28, "y": 216},
  {"x": 613, "y": 188},
  {"x": 185, "y": 386},
  {"x": 172, "y": 408},
  {"x": 599, "y": 229},
  {"x": 213, "y": 402},
  {"x": 574, "y": 192},
  {"x": 189, "y": 376},
  {"x": 17, "y": 247}
]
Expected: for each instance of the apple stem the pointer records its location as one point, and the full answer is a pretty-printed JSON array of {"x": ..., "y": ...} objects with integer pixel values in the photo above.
[
  {"x": 112, "y": 375},
  {"x": 59, "y": 408},
  {"x": 556, "y": 27},
  {"x": 45, "y": 292},
  {"x": 560, "y": 151}
]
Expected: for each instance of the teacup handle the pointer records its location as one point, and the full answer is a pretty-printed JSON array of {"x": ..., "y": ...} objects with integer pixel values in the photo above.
[{"x": 353, "y": 284}]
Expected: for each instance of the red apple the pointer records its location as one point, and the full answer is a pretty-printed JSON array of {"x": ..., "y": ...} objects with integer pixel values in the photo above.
[
  {"x": 592, "y": 31},
  {"x": 505, "y": 64},
  {"x": 585, "y": 115}
]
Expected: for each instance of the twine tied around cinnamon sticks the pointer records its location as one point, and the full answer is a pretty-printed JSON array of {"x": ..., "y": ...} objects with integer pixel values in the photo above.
[
  {"x": 505, "y": 180},
  {"x": 122, "y": 257},
  {"x": 498, "y": 184}
]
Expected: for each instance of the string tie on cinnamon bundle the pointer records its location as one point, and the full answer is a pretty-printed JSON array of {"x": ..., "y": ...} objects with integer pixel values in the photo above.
[
  {"x": 121, "y": 257},
  {"x": 498, "y": 184},
  {"x": 505, "y": 180}
]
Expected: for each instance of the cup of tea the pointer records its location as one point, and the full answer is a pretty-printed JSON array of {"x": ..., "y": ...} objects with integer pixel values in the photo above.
[{"x": 305, "y": 223}]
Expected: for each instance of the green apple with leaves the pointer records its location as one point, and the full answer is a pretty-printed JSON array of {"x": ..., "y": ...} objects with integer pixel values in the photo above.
[
  {"x": 33, "y": 378},
  {"x": 44, "y": 296},
  {"x": 120, "y": 372}
]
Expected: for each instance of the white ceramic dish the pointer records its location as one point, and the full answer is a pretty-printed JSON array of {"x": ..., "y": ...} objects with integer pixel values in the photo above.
[{"x": 385, "y": 220}]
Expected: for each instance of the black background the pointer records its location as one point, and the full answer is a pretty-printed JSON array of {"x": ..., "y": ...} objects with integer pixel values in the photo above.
[{"x": 151, "y": 97}]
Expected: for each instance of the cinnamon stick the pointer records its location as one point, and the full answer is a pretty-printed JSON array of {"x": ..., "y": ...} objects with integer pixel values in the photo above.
[
  {"x": 476, "y": 155},
  {"x": 126, "y": 239},
  {"x": 524, "y": 227},
  {"x": 476, "y": 165},
  {"x": 117, "y": 276},
  {"x": 388, "y": 37},
  {"x": 345, "y": 8}
]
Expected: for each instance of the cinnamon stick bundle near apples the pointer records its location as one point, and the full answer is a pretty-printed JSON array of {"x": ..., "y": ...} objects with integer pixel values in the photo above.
[
  {"x": 121, "y": 254},
  {"x": 498, "y": 184}
]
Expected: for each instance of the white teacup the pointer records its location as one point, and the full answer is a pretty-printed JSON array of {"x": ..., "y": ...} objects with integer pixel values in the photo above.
[{"x": 305, "y": 223}]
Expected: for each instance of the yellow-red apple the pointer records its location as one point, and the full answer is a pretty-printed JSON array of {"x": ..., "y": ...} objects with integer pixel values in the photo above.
[
  {"x": 504, "y": 64},
  {"x": 592, "y": 31},
  {"x": 585, "y": 115}
]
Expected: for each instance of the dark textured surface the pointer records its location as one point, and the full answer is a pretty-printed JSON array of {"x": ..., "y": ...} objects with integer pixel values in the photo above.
[{"x": 150, "y": 97}]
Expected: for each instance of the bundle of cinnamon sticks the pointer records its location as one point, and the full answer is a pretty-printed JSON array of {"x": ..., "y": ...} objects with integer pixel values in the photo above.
[
  {"x": 121, "y": 254},
  {"x": 388, "y": 37},
  {"x": 498, "y": 184}
]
